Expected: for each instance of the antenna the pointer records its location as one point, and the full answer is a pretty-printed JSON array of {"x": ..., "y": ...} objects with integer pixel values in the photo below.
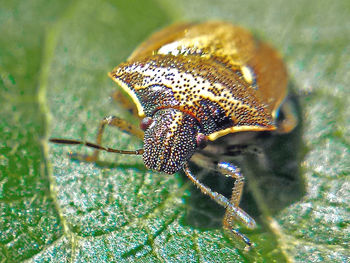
[{"x": 94, "y": 145}]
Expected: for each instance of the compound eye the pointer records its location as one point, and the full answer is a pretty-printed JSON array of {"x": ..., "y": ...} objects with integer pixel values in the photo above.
[
  {"x": 145, "y": 123},
  {"x": 202, "y": 140}
]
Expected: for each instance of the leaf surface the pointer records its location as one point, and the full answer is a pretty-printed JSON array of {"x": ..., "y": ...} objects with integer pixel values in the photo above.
[{"x": 54, "y": 59}]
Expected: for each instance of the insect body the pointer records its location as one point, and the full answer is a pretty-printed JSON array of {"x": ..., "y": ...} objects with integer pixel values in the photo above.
[{"x": 192, "y": 84}]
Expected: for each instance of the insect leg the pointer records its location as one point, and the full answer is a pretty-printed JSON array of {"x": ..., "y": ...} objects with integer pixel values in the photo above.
[
  {"x": 290, "y": 120},
  {"x": 234, "y": 211},
  {"x": 125, "y": 102},
  {"x": 229, "y": 218},
  {"x": 117, "y": 122},
  {"x": 202, "y": 160},
  {"x": 243, "y": 149},
  {"x": 230, "y": 170},
  {"x": 248, "y": 149}
]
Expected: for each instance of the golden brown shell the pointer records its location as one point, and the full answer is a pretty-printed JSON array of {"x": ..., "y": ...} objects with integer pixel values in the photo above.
[{"x": 214, "y": 71}]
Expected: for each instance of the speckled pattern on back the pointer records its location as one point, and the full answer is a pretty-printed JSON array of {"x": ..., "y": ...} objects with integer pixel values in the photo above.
[{"x": 206, "y": 72}]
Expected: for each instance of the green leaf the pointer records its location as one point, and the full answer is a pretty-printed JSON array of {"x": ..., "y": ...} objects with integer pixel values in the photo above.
[{"x": 54, "y": 59}]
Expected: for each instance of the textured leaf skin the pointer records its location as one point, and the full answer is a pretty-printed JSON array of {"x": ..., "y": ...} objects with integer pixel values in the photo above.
[{"x": 54, "y": 56}]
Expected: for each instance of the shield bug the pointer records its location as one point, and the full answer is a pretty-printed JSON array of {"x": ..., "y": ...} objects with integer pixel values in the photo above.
[{"x": 192, "y": 84}]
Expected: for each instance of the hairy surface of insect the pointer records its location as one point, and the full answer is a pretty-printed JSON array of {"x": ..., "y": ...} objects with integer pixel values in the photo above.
[{"x": 192, "y": 84}]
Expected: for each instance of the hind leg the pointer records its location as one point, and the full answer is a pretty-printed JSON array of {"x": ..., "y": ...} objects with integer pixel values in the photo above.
[{"x": 290, "y": 120}]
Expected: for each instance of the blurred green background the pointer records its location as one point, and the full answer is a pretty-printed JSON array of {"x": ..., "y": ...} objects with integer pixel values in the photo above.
[{"x": 54, "y": 59}]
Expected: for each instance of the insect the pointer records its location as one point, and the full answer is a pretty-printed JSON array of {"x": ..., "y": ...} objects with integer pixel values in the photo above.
[{"x": 192, "y": 84}]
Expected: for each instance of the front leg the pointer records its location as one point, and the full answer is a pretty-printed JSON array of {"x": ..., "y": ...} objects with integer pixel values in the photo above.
[
  {"x": 232, "y": 209},
  {"x": 230, "y": 170},
  {"x": 113, "y": 121}
]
